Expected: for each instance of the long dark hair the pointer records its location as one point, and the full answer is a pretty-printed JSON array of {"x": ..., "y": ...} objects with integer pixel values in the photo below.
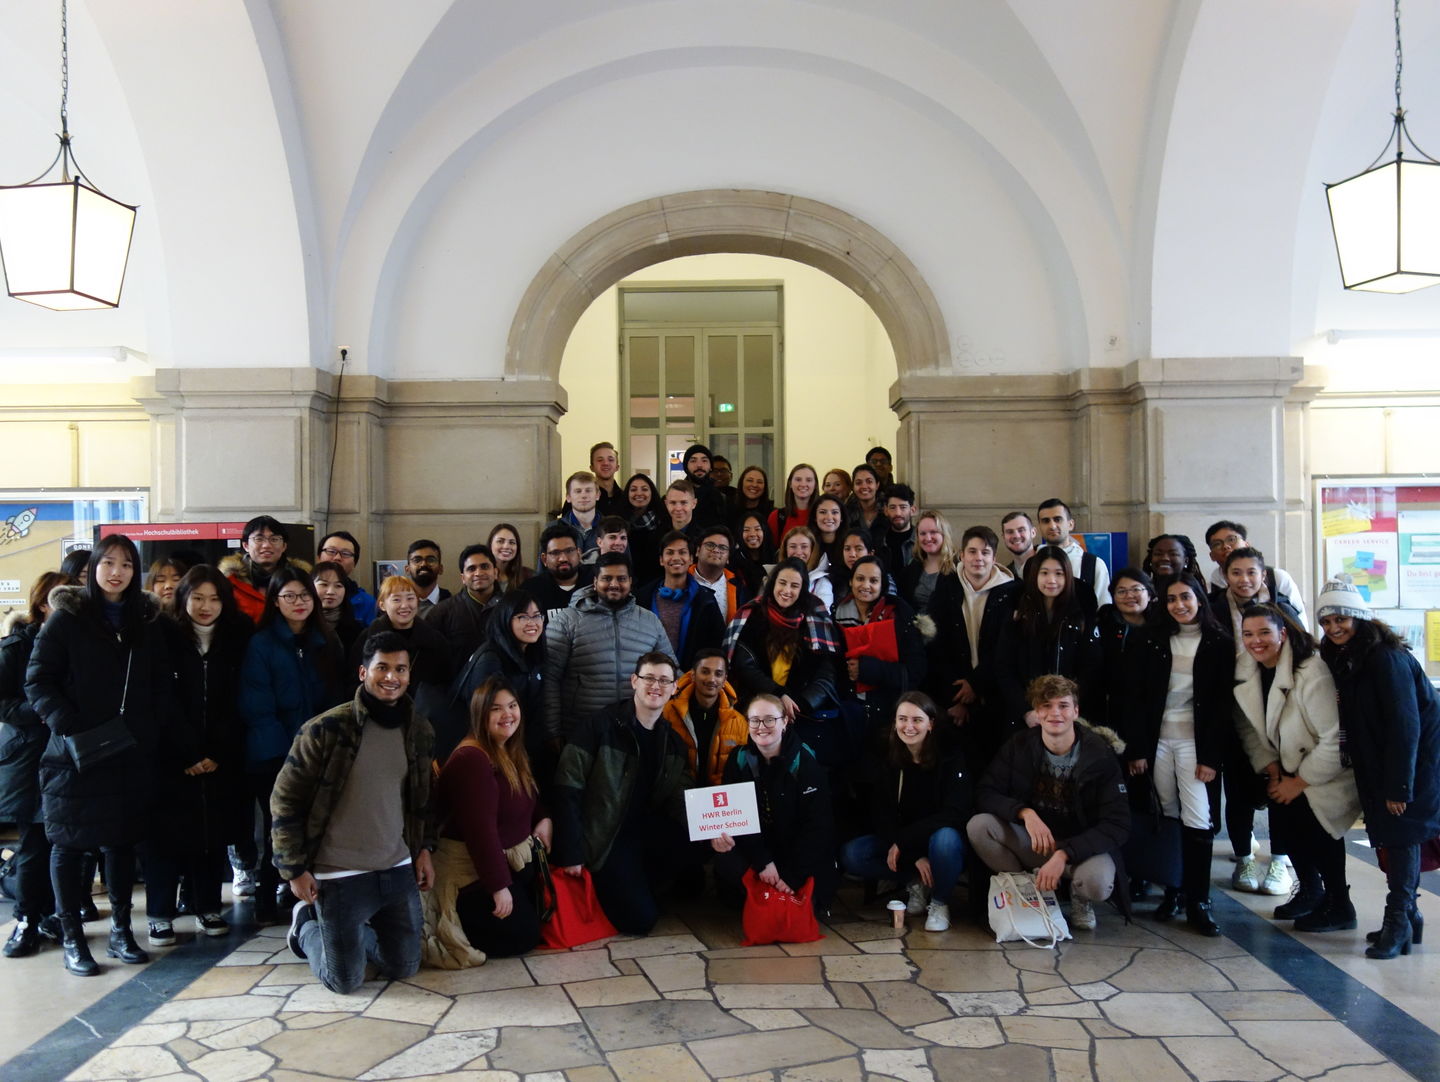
[
  {"x": 766, "y": 552},
  {"x": 1034, "y": 620},
  {"x": 132, "y": 598},
  {"x": 656, "y": 503},
  {"x": 1160, "y": 614},
  {"x": 283, "y": 577},
  {"x": 509, "y": 758},
  {"x": 231, "y": 619},
  {"x": 510, "y": 605},
  {"x": 784, "y": 641},
  {"x": 1302, "y": 645},
  {"x": 899, "y": 754}
]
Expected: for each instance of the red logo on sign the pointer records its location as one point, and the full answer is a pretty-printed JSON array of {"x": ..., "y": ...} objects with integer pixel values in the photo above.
[{"x": 721, "y": 799}]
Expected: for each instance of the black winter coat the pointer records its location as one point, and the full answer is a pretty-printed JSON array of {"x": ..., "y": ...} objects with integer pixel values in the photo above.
[
  {"x": 1074, "y": 652},
  {"x": 797, "y": 824},
  {"x": 1148, "y": 684},
  {"x": 950, "y": 649},
  {"x": 76, "y": 681},
  {"x": 22, "y": 734},
  {"x": 907, "y": 814},
  {"x": 811, "y": 682},
  {"x": 206, "y": 811},
  {"x": 1390, "y": 717}
]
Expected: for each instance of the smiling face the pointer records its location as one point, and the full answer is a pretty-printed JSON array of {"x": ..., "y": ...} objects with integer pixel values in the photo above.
[
  {"x": 114, "y": 573},
  {"x": 798, "y": 546},
  {"x": 203, "y": 605},
  {"x": 708, "y": 680},
  {"x": 1131, "y": 597},
  {"x": 1058, "y": 715},
  {"x": 505, "y": 545},
  {"x": 803, "y": 484},
  {"x": 266, "y": 549},
  {"x": 836, "y": 485},
  {"x": 788, "y": 587},
  {"x": 478, "y": 574},
  {"x": 1050, "y": 578},
  {"x": 653, "y": 685},
  {"x": 1019, "y": 535},
  {"x": 528, "y": 624},
  {"x": 1262, "y": 639},
  {"x": 331, "y": 589},
  {"x": 866, "y": 583},
  {"x": 1245, "y": 577},
  {"x": 766, "y": 723},
  {"x": 698, "y": 465},
  {"x": 752, "y": 533},
  {"x": 675, "y": 560},
  {"x": 503, "y": 718},
  {"x": 1181, "y": 603},
  {"x": 1338, "y": 629},
  {"x": 1167, "y": 557},
  {"x": 638, "y": 493},
  {"x": 752, "y": 484},
  {"x": 928, "y": 536},
  {"x": 612, "y": 583},
  {"x": 387, "y": 676},
  {"x": 294, "y": 603},
  {"x": 978, "y": 559},
  {"x": 828, "y": 516},
  {"x": 865, "y": 485},
  {"x": 681, "y": 508},
  {"x": 720, "y": 473},
  {"x": 338, "y": 551},
  {"x": 400, "y": 606},
  {"x": 912, "y": 726},
  {"x": 603, "y": 463}
]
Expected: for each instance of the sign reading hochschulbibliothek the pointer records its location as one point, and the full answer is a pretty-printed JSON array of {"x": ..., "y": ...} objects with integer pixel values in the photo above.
[{"x": 722, "y": 809}]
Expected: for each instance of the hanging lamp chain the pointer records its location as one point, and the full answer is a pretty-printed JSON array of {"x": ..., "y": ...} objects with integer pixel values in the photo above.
[
  {"x": 65, "y": 71},
  {"x": 1399, "y": 63}
]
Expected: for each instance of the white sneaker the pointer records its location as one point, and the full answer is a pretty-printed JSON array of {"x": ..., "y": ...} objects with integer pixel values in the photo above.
[
  {"x": 1082, "y": 914},
  {"x": 937, "y": 917},
  {"x": 1278, "y": 880},
  {"x": 161, "y": 933},
  {"x": 1246, "y": 876},
  {"x": 917, "y": 899}
]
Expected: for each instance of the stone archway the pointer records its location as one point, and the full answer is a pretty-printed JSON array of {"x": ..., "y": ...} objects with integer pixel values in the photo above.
[{"x": 726, "y": 220}]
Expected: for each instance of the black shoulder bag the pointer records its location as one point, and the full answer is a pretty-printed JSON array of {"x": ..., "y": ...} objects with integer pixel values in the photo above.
[{"x": 107, "y": 739}]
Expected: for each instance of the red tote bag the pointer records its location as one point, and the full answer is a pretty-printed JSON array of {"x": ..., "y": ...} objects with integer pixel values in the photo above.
[
  {"x": 876, "y": 639},
  {"x": 772, "y": 916},
  {"x": 578, "y": 918}
]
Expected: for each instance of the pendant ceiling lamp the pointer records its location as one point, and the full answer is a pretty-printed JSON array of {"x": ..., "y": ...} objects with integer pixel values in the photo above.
[
  {"x": 1387, "y": 219},
  {"x": 64, "y": 243}
]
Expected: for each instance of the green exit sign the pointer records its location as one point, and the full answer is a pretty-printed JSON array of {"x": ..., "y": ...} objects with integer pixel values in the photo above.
[{"x": 727, "y": 407}]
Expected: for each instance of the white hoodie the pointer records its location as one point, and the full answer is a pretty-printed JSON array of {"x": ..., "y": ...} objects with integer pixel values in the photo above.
[{"x": 975, "y": 599}]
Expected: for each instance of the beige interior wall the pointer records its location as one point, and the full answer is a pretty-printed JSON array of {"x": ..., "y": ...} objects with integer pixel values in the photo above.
[
  {"x": 829, "y": 421},
  {"x": 68, "y": 436}
]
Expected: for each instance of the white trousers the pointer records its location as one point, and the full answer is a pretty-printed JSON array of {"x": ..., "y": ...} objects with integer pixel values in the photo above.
[{"x": 1182, "y": 795}]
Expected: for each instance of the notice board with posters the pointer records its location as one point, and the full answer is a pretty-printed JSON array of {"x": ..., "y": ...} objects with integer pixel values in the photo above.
[
  {"x": 1384, "y": 532},
  {"x": 39, "y": 526}
]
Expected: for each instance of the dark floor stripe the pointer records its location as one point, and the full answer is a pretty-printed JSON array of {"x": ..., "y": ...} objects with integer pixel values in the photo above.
[{"x": 1429, "y": 881}]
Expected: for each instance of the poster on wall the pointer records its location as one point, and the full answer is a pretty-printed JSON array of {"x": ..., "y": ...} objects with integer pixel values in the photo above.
[
  {"x": 37, "y": 529},
  {"x": 1420, "y": 559},
  {"x": 1372, "y": 562}
]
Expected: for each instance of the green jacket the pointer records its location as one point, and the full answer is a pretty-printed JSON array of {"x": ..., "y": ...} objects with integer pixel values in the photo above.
[
  {"x": 596, "y": 776},
  {"x": 314, "y": 775}
]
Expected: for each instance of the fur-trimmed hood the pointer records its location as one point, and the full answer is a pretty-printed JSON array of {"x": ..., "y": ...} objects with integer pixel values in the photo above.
[
  {"x": 71, "y": 599},
  {"x": 12, "y": 621},
  {"x": 925, "y": 625},
  {"x": 237, "y": 566},
  {"x": 1109, "y": 735}
]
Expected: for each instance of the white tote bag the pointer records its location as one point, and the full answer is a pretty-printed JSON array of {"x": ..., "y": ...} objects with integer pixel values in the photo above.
[{"x": 1019, "y": 910}]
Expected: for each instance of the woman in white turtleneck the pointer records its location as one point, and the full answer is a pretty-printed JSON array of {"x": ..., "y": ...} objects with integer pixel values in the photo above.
[{"x": 1180, "y": 697}]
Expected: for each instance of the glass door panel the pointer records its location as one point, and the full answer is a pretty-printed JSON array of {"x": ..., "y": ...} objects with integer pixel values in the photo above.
[
  {"x": 723, "y": 387},
  {"x": 681, "y": 378},
  {"x": 643, "y": 353}
]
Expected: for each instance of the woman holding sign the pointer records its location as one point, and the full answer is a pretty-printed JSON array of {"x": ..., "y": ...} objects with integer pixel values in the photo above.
[{"x": 796, "y": 836}]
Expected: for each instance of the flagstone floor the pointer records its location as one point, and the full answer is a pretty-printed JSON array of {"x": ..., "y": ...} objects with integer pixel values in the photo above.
[{"x": 1139, "y": 1002}]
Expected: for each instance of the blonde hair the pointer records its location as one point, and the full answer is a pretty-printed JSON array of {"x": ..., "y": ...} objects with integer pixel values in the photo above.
[
  {"x": 949, "y": 558},
  {"x": 396, "y": 584},
  {"x": 813, "y": 560}
]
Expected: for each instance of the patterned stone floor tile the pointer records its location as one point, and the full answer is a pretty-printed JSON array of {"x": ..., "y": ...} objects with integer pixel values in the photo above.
[
  {"x": 309, "y": 1020},
  {"x": 590, "y": 1074},
  {"x": 864, "y": 931},
  {"x": 401, "y": 1002},
  {"x": 228, "y": 981},
  {"x": 1071, "y": 1065},
  {"x": 748, "y": 1052},
  {"x": 610, "y": 991},
  {"x": 494, "y": 975},
  {"x": 1007, "y": 1062},
  {"x": 689, "y": 993},
  {"x": 770, "y": 1019},
  {"x": 661, "y": 1063},
  {"x": 905, "y": 1065},
  {"x": 565, "y": 968},
  {"x": 868, "y": 967},
  {"x": 186, "y": 1049},
  {"x": 782, "y": 970},
  {"x": 831, "y": 944},
  {"x": 542, "y": 1006},
  {"x": 316, "y": 997},
  {"x": 1163, "y": 1014},
  {"x": 246, "y": 958},
  {"x": 201, "y": 1010},
  {"x": 906, "y": 1004},
  {"x": 1028, "y": 959},
  {"x": 770, "y": 950},
  {"x": 1137, "y": 1059},
  {"x": 628, "y": 967},
  {"x": 1102, "y": 1029},
  {"x": 1065, "y": 1010},
  {"x": 1263, "y": 1006},
  {"x": 288, "y": 977},
  {"x": 347, "y": 1049},
  {"x": 1038, "y": 982},
  {"x": 1221, "y": 1059},
  {"x": 140, "y": 1061},
  {"x": 670, "y": 972},
  {"x": 1052, "y": 995},
  {"x": 1249, "y": 975},
  {"x": 1307, "y": 1048},
  {"x": 153, "y": 1034},
  {"x": 773, "y": 995},
  {"x": 1374, "y": 1072},
  {"x": 835, "y": 1070},
  {"x": 965, "y": 971},
  {"x": 991, "y": 1004},
  {"x": 1095, "y": 990},
  {"x": 716, "y": 931},
  {"x": 867, "y": 1029},
  {"x": 665, "y": 1022},
  {"x": 1081, "y": 963},
  {"x": 852, "y": 995},
  {"x": 962, "y": 1032},
  {"x": 243, "y": 1036},
  {"x": 1047, "y": 1032},
  {"x": 231, "y": 1065},
  {"x": 1169, "y": 971},
  {"x": 1179, "y": 935},
  {"x": 961, "y": 937},
  {"x": 881, "y": 946},
  {"x": 758, "y": 1076},
  {"x": 437, "y": 1055},
  {"x": 554, "y": 1048},
  {"x": 654, "y": 944}
]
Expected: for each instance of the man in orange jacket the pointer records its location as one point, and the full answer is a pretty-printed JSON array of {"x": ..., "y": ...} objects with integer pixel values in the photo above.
[{"x": 703, "y": 712}]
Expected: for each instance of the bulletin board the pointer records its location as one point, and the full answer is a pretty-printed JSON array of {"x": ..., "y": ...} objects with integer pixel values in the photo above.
[
  {"x": 38, "y": 526},
  {"x": 1384, "y": 532}
]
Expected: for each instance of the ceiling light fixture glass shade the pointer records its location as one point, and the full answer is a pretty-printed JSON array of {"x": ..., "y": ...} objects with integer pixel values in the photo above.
[
  {"x": 64, "y": 243},
  {"x": 1386, "y": 220}
]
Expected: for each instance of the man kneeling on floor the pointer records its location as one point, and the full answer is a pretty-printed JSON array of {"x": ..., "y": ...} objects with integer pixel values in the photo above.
[
  {"x": 353, "y": 831},
  {"x": 1053, "y": 802}
]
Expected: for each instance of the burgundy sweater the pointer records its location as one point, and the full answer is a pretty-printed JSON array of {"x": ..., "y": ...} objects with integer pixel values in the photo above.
[{"x": 481, "y": 810}]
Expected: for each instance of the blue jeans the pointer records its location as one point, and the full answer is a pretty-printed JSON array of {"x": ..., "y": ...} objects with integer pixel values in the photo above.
[
  {"x": 370, "y": 917},
  {"x": 865, "y": 857}
]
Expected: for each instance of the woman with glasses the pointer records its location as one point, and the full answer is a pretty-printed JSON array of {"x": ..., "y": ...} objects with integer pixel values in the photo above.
[
  {"x": 514, "y": 651},
  {"x": 510, "y": 569},
  {"x": 431, "y": 668},
  {"x": 797, "y": 835},
  {"x": 485, "y": 866},
  {"x": 101, "y": 657},
  {"x": 921, "y": 799},
  {"x": 1121, "y": 625},
  {"x": 294, "y": 669}
]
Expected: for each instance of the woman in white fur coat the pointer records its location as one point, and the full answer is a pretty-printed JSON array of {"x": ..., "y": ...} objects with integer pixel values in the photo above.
[{"x": 1289, "y": 723}]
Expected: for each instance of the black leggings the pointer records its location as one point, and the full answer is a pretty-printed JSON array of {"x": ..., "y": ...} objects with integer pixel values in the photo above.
[
  {"x": 515, "y": 934},
  {"x": 1308, "y": 844},
  {"x": 67, "y": 876}
]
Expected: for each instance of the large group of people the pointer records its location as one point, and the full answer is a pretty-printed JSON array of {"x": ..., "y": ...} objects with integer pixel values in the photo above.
[{"x": 909, "y": 708}]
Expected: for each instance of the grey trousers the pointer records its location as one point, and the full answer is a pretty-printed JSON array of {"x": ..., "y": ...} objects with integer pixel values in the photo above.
[{"x": 1005, "y": 847}]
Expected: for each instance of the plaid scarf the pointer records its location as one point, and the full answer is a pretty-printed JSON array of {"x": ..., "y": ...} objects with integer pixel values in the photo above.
[{"x": 817, "y": 629}]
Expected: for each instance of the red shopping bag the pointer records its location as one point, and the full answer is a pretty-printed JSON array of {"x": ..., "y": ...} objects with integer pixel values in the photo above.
[
  {"x": 875, "y": 639},
  {"x": 578, "y": 918},
  {"x": 772, "y": 916}
]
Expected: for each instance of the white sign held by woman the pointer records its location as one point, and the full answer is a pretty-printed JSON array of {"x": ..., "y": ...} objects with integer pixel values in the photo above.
[{"x": 722, "y": 809}]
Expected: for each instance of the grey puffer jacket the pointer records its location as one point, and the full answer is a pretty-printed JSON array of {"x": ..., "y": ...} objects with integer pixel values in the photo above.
[{"x": 590, "y": 654}]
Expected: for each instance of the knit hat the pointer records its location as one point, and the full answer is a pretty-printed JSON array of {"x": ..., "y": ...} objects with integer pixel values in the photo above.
[{"x": 1340, "y": 597}]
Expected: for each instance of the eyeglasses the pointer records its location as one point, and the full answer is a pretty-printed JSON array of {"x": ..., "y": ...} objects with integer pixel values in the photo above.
[
  {"x": 293, "y": 599},
  {"x": 1130, "y": 591},
  {"x": 571, "y": 551},
  {"x": 714, "y": 547},
  {"x": 338, "y": 554},
  {"x": 765, "y": 724},
  {"x": 266, "y": 539},
  {"x": 529, "y": 617},
  {"x": 426, "y": 561},
  {"x": 656, "y": 681}
]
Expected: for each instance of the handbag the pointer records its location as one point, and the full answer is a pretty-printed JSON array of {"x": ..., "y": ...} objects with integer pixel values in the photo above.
[
  {"x": 578, "y": 918},
  {"x": 1429, "y": 856},
  {"x": 106, "y": 740},
  {"x": 1019, "y": 910},
  {"x": 772, "y": 916}
]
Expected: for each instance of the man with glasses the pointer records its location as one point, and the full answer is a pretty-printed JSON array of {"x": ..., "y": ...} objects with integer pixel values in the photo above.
[
  {"x": 262, "y": 551},
  {"x": 341, "y": 548},
  {"x": 620, "y": 797},
  {"x": 1223, "y": 538},
  {"x": 464, "y": 618},
  {"x": 561, "y": 572},
  {"x": 591, "y": 647},
  {"x": 425, "y": 565},
  {"x": 712, "y": 571},
  {"x": 688, "y": 611}
]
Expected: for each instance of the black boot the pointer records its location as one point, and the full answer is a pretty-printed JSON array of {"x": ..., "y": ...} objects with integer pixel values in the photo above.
[
  {"x": 78, "y": 959},
  {"x": 1171, "y": 906},
  {"x": 1335, "y": 914},
  {"x": 24, "y": 940},
  {"x": 122, "y": 940},
  {"x": 1197, "y": 851},
  {"x": 1307, "y": 899},
  {"x": 1394, "y": 937}
]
